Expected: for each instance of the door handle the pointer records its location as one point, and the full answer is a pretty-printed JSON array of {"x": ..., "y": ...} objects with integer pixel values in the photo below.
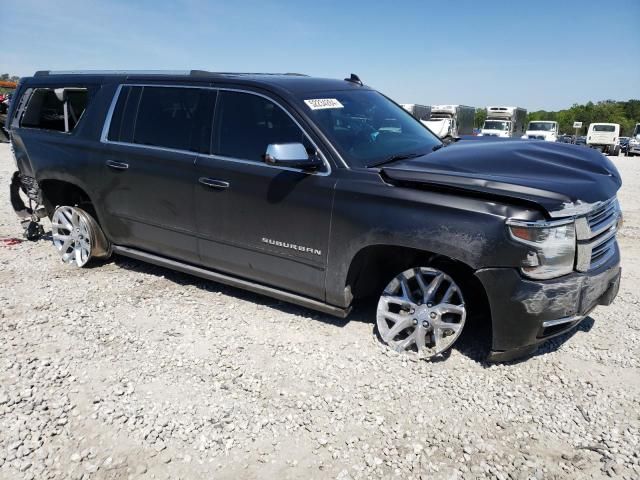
[
  {"x": 213, "y": 183},
  {"x": 117, "y": 165}
]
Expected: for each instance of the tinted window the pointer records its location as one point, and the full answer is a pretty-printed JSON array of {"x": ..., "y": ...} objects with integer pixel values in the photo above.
[
  {"x": 178, "y": 118},
  {"x": 604, "y": 128},
  {"x": 57, "y": 109},
  {"x": 247, "y": 124}
]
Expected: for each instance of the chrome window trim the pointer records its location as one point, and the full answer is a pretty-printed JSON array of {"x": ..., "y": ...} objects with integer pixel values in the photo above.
[{"x": 114, "y": 101}]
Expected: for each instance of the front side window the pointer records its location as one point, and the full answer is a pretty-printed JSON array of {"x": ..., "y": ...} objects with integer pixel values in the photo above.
[
  {"x": 496, "y": 125},
  {"x": 367, "y": 128},
  {"x": 246, "y": 124},
  {"x": 57, "y": 109},
  {"x": 541, "y": 126}
]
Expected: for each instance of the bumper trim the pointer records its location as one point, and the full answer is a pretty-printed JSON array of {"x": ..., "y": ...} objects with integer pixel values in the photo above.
[{"x": 560, "y": 321}]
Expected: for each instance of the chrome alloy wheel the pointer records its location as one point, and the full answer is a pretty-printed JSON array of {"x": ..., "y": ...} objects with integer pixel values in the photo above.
[
  {"x": 421, "y": 310},
  {"x": 72, "y": 234}
]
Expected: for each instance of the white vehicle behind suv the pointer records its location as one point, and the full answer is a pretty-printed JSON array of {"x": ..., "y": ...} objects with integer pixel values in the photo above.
[
  {"x": 634, "y": 142},
  {"x": 604, "y": 136},
  {"x": 542, "y": 130}
]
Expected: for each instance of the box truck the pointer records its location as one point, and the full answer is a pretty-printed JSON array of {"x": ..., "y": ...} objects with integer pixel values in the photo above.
[
  {"x": 451, "y": 121},
  {"x": 421, "y": 112},
  {"x": 504, "y": 122}
]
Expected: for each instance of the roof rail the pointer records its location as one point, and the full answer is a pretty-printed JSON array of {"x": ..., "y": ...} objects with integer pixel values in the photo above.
[
  {"x": 44, "y": 73},
  {"x": 206, "y": 73}
]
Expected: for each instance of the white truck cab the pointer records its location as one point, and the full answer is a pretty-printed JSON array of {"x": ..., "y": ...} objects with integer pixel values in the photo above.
[
  {"x": 542, "y": 130},
  {"x": 504, "y": 122},
  {"x": 605, "y": 137}
]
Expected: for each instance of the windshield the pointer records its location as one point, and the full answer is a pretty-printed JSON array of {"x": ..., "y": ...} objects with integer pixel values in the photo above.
[
  {"x": 367, "y": 128},
  {"x": 496, "y": 125},
  {"x": 541, "y": 126},
  {"x": 604, "y": 128},
  {"x": 636, "y": 132},
  {"x": 441, "y": 116}
]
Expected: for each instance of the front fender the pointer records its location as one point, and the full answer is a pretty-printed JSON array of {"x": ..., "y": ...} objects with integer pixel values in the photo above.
[{"x": 470, "y": 230}]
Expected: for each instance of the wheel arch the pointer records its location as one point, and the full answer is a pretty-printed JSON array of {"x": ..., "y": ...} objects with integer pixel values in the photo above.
[{"x": 373, "y": 266}]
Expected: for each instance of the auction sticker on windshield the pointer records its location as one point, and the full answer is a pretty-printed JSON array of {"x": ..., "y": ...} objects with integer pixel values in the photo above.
[{"x": 323, "y": 103}]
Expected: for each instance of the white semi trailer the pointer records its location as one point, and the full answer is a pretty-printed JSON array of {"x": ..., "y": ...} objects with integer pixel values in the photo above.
[
  {"x": 421, "y": 112},
  {"x": 504, "y": 122},
  {"x": 451, "y": 121}
]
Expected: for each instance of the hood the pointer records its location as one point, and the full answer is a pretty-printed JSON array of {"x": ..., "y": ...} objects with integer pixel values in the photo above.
[
  {"x": 561, "y": 178},
  {"x": 439, "y": 127}
]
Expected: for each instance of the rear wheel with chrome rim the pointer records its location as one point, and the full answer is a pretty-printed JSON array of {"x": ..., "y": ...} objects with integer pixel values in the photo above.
[
  {"x": 421, "y": 310},
  {"x": 77, "y": 236}
]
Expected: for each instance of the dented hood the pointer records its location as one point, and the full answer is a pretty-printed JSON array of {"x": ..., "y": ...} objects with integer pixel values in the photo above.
[{"x": 563, "y": 179}]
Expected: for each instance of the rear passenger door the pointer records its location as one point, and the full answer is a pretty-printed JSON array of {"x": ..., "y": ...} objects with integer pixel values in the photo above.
[
  {"x": 266, "y": 223},
  {"x": 148, "y": 167}
]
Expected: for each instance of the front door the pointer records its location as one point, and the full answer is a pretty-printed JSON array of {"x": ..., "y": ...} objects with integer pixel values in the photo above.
[{"x": 257, "y": 221}]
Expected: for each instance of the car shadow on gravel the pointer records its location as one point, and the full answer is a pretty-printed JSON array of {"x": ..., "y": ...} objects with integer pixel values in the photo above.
[
  {"x": 474, "y": 342},
  {"x": 185, "y": 279}
]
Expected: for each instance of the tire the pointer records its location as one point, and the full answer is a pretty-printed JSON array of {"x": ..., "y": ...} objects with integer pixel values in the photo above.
[
  {"x": 422, "y": 310},
  {"x": 77, "y": 236}
]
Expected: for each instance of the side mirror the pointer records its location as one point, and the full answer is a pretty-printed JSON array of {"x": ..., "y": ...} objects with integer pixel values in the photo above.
[{"x": 292, "y": 155}]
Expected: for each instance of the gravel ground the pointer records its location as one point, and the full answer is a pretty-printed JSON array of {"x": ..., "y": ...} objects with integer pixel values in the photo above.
[{"x": 127, "y": 370}]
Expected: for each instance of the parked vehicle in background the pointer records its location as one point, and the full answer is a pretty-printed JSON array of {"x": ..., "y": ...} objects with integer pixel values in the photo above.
[
  {"x": 542, "y": 130},
  {"x": 634, "y": 142},
  {"x": 321, "y": 192},
  {"x": 564, "y": 138},
  {"x": 581, "y": 140},
  {"x": 451, "y": 121},
  {"x": 624, "y": 145},
  {"x": 504, "y": 122},
  {"x": 421, "y": 112},
  {"x": 605, "y": 137}
]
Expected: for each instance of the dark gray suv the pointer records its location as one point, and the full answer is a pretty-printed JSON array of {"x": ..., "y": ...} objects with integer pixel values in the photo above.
[{"x": 321, "y": 192}]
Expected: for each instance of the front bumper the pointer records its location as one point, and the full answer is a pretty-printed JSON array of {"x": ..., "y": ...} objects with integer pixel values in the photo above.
[
  {"x": 635, "y": 149},
  {"x": 526, "y": 312}
]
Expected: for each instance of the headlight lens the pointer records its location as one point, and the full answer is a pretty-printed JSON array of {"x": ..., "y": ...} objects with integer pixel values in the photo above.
[
  {"x": 633, "y": 141},
  {"x": 553, "y": 247}
]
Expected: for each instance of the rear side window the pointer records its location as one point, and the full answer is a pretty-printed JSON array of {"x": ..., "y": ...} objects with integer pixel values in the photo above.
[
  {"x": 246, "y": 124},
  {"x": 168, "y": 117},
  {"x": 57, "y": 109}
]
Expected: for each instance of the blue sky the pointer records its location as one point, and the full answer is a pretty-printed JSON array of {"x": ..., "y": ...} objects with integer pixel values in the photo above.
[{"x": 536, "y": 54}]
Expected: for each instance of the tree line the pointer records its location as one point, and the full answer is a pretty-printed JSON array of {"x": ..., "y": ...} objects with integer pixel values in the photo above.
[{"x": 626, "y": 114}]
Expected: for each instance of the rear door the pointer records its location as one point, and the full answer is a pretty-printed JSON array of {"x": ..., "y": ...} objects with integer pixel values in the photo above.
[
  {"x": 265, "y": 223},
  {"x": 148, "y": 168}
]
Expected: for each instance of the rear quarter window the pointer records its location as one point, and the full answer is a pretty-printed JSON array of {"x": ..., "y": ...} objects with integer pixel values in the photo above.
[{"x": 55, "y": 109}]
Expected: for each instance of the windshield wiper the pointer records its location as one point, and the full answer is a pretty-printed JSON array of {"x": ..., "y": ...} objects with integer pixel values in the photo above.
[{"x": 395, "y": 158}]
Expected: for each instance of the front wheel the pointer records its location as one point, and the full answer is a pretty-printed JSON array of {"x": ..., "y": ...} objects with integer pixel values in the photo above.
[
  {"x": 77, "y": 236},
  {"x": 421, "y": 310}
]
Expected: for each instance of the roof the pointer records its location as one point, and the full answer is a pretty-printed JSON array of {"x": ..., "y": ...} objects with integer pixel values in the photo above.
[{"x": 295, "y": 83}]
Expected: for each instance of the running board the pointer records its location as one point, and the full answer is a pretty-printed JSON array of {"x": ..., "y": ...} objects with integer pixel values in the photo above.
[{"x": 232, "y": 281}]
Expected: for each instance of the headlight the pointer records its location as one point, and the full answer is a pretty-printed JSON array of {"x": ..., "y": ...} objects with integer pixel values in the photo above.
[
  {"x": 633, "y": 141},
  {"x": 552, "y": 247}
]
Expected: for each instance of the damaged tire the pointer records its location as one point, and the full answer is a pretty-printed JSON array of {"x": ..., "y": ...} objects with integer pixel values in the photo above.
[
  {"x": 77, "y": 236},
  {"x": 421, "y": 310}
]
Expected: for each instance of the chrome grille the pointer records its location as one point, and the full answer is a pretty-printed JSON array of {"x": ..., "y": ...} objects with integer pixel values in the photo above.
[{"x": 596, "y": 233}]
